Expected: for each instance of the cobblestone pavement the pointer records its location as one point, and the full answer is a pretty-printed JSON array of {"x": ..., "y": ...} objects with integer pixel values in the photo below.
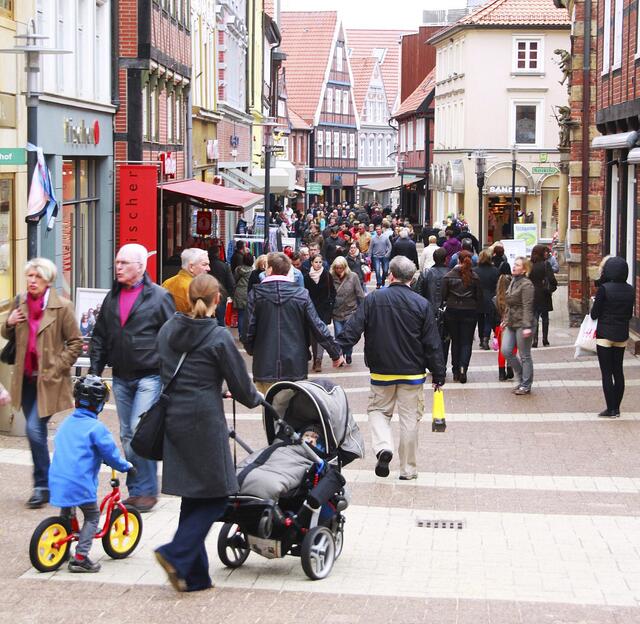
[{"x": 548, "y": 496}]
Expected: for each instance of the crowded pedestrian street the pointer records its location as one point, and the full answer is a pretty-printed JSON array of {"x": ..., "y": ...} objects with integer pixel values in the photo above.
[{"x": 525, "y": 510}]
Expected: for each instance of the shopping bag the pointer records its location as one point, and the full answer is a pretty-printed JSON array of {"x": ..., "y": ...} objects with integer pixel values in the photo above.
[
  {"x": 438, "y": 420},
  {"x": 586, "y": 341},
  {"x": 228, "y": 314}
]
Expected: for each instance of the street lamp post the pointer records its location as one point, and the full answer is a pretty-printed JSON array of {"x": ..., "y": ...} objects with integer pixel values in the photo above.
[
  {"x": 481, "y": 169},
  {"x": 33, "y": 49},
  {"x": 268, "y": 124},
  {"x": 514, "y": 162},
  {"x": 401, "y": 162}
]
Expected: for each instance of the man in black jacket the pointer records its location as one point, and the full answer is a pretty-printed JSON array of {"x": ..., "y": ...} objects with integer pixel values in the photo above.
[
  {"x": 401, "y": 342},
  {"x": 404, "y": 246},
  {"x": 124, "y": 338},
  {"x": 279, "y": 317}
]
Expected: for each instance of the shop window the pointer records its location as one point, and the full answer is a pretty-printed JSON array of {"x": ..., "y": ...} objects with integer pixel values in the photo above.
[
  {"x": 549, "y": 213},
  {"x": 320, "y": 144},
  {"x": 528, "y": 55},
  {"x": 7, "y": 207},
  {"x": 526, "y": 123},
  {"x": 6, "y": 8}
]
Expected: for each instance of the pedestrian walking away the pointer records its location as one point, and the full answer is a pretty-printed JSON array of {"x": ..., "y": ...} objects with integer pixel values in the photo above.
[
  {"x": 47, "y": 342},
  {"x": 612, "y": 308},
  {"x": 517, "y": 328},
  {"x": 401, "y": 342},
  {"x": 545, "y": 284},
  {"x": 125, "y": 337},
  {"x": 194, "y": 261},
  {"x": 349, "y": 296},
  {"x": 222, "y": 272},
  {"x": 241, "y": 275},
  {"x": 278, "y": 320},
  {"x": 462, "y": 296},
  {"x": 488, "y": 275},
  {"x": 319, "y": 283},
  {"x": 426, "y": 258},
  {"x": 196, "y": 428},
  {"x": 404, "y": 246}
]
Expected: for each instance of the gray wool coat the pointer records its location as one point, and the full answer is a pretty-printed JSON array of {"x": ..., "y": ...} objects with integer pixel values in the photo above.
[{"x": 197, "y": 459}]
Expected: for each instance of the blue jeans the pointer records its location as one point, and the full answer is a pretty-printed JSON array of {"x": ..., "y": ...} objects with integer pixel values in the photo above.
[
  {"x": 338, "y": 326},
  {"x": 221, "y": 311},
  {"x": 36, "y": 434},
  {"x": 187, "y": 552},
  {"x": 521, "y": 362},
  {"x": 381, "y": 269},
  {"x": 133, "y": 397},
  {"x": 240, "y": 322}
]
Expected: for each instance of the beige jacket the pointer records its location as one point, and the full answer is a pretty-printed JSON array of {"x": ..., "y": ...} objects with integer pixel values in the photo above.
[
  {"x": 58, "y": 344},
  {"x": 519, "y": 299}
]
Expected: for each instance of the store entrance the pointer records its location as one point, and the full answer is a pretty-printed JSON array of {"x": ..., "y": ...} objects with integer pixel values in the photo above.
[{"x": 499, "y": 215}]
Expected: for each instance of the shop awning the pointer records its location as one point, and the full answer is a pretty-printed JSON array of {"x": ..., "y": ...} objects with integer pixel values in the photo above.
[
  {"x": 622, "y": 140},
  {"x": 242, "y": 180},
  {"x": 221, "y": 197},
  {"x": 393, "y": 183},
  {"x": 282, "y": 177}
]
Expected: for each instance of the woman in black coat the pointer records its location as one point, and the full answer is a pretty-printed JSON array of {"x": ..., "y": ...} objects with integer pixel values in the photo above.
[
  {"x": 612, "y": 308},
  {"x": 197, "y": 461},
  {"x": 488, "y": 275},
  {"x": 319, "y": 283},
  {"x": 544, "y": 284}
]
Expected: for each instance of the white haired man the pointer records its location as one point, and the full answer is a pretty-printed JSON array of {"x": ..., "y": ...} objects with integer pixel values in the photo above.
[
  {"x": 194, "y": 262},
  {"x": 125, "y": 336},
  {"x": 404, "y": 246}
]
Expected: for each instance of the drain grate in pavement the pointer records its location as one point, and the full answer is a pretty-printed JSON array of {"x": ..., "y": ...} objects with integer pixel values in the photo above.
[{"x": 438, "y": 523}]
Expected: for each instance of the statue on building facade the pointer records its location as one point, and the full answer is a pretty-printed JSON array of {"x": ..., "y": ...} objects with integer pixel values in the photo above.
[
  {"x": 565, "y": 123},
  {"x": 564, "y": 63}
]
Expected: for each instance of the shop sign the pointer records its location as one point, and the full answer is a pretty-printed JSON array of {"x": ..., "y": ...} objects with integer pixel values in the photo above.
[
  {"x": 80, "y": 134},
  {"x": 7, "y": 111},
  {"x": 545, "y": 170},
  {"x": 314, "y": 188},
  {"x": 13, "y": 156},
  {"x": 138, "y": 211},
  {"x": 169, "y": 164},
  {"x": 203, "y": 223},
  {"x": 506, "y": 190}
]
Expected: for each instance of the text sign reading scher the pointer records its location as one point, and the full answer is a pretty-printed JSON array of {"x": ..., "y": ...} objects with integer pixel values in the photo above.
[{"x": 138, "y": 211}]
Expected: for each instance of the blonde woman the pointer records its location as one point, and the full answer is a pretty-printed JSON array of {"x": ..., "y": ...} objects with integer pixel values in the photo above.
[
  {"x": 48, "y": 342},
  {"x": 259, "y": 267},
  {"x": 349, "y": 295}
]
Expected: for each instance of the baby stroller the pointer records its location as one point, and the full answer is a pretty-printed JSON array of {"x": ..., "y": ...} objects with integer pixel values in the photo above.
[{"x": 292, "y": 493}]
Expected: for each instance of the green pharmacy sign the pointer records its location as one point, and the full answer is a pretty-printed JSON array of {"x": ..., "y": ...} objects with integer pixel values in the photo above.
[{"x": 13, "y": 156}]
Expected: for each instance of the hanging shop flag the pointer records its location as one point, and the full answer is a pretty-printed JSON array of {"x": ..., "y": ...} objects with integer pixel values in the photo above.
[{"x": 42, "y": 200}]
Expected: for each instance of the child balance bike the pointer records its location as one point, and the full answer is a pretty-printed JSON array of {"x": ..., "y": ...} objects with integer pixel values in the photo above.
[{"x": 50, "y": 543}]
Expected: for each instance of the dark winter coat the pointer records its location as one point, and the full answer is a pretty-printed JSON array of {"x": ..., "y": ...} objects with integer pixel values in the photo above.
[
  {"x": 222, "y": 272},
  {"x": 400, "y": 331},
  {"x": 131, "y": 349},
  {"x": 241, "y": 275},
  {"x": 613, "y": 306},
  {"x": 502, "y": 264},
  {"x": 355, "y": 264},
  {"x": 254, "y": 278},
  {"x": 541, "y": 272},
  {"x": 488, "y": 276},
  {"x": 432, "y": 285},
  {"x": 196, "y": 458},
  {"x": 331, "y": 248},
  {"x": 457, "y": 296},
  {"x": 278, "y": 319},
  {"x": 405, "y": 247},
  {"x": 323, "y": 294}
]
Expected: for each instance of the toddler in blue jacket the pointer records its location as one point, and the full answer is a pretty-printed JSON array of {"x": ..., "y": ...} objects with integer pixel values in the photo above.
[{"x": 82, "y": 444}]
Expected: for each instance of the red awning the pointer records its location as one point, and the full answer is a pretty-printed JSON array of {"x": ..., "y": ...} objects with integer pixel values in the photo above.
[{"x": 222, "y": 196}]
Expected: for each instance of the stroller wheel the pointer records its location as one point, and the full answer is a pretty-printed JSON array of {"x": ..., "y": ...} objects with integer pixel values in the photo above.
[
  {"x": 232, "y": 545},
  {"x": 318, "y": 553},
  {"x": 338, "y": 538}
]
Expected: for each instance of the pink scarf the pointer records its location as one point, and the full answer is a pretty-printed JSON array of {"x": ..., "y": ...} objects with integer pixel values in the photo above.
[
  {"x": 315, "y": 274},
  {"x": 35, "y": 307}
]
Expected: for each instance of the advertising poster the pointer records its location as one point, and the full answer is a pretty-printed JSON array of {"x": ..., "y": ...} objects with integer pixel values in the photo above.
[
  {"x": 527, "y": 232},
  {"x": 514, "y": 249},
  {"x": 88, "y": 304}
]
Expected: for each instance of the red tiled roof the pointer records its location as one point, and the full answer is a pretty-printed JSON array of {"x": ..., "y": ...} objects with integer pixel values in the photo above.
[
  {"x": 411, "y": 104},
  {"x": 362, "y": 70},
  {"x": 512, "y": 13},
  {"x": 363, "y": 41},
  {"x": 306, "y": 40},
  {"x": 297, "y": 123}
]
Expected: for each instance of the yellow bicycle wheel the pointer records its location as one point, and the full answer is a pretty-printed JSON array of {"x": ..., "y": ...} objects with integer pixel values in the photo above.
[
  {"x": 122, "y": 537},
  {"x": 45, "y": 553}
]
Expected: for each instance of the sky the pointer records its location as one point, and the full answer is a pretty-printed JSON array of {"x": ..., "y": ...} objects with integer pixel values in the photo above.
[{"x": 392, "y": 14}]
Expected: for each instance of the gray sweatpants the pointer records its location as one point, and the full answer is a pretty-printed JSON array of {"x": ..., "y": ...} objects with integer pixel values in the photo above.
[{"x": 91, "y": 513}]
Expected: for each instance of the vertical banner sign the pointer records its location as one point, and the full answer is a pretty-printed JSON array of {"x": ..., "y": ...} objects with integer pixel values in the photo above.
[{"x": 138, "y": 210}]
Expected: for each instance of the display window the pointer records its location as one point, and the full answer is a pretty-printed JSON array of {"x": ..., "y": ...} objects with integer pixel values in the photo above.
[
  {"x": 499, "y": 215},
  {"x": 7, "y": 258}
]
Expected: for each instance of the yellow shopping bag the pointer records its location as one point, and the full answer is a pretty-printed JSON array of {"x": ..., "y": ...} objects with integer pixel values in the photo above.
[{"x": 438, "y": 420}]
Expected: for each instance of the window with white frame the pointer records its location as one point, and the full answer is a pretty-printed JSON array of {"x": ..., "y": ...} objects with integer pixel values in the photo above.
[
  {"x": 153, "y": 114},
  {"x": 527, "y": 127},
  {"x": 170, "y": 113},
  {"x": 179, "y": 117},
  {"x": 606, "y": 43},
  {"x": 410, "y": 136},
  {"x": 420, "y": 134},
  {"x": 145, "y": 114},
  {"x": 617, "y": 34},
  {"x": 299, "y": 150},
  {"x": 336, "y": 145},
  {"x": 343, "y": 151},
  {"x": 327, "y": 144},
  {"x": 352, "y": 146},
  {"x": 388, "y": 158},
  {"x": 345, "y": 102},
  {"x": 329, "y": 100},
  {"x": 338, "y": 108},
  {"x": 528, "y": 54},
  {"x": 363, "y": 142},
  {"x": 403, "y": 137},
  {"x": 379, "y": 150},
  {"x": 370, "y": 150},
  {"x": 339, "y": 58},
  {"x": 320, "y": 144}
]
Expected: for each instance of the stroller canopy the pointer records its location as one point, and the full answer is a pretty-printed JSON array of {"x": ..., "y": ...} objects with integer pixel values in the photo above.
[{"x": 319, "y": 402}]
